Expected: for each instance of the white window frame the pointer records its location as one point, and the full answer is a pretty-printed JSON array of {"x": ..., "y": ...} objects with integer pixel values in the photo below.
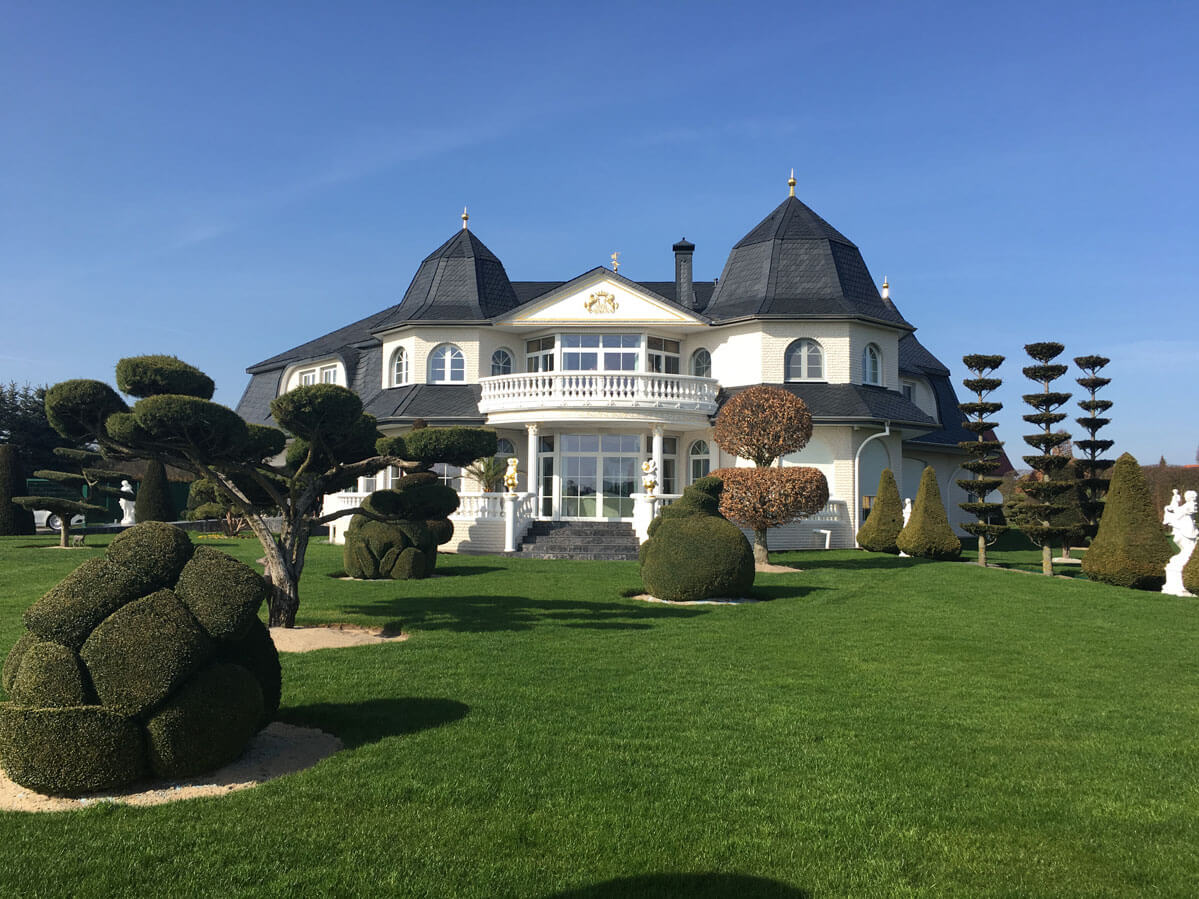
[
  {"x": 399, "y": 367},
  {"x": 695, "y": 359},
  {"x": 693, "y": 457},
  {"x": 872, "y": 358},
  {"x": 307, "y": 377},
  {"x": 328, "y": 374},
  {"x": 452, "y": 358},
  {"x": 802, "y": 350},
  {"x": 496, "y": 362}
]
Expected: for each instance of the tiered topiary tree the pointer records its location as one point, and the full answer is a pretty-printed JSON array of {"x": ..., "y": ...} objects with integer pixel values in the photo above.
[
  {"x": 1092, "y": 468},
  {"x": 1131, "y": 547},
  {"x": 154, "y": 495},
  {"x": 693, "y": 552},
  {"x": 882, "y": 526},
  {"x": 760, "y": 424},
  {"x": 927, "y": 534},
  {"x": 332, "y": 443},
  {"x": 90, "y": 482},
  {"x": 985, "y": 452},
  {"x": 1046, "y": 487},
  {"x": 151, "y": 659}
]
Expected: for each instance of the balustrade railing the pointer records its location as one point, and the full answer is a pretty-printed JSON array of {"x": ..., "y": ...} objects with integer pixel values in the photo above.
[{"x": 539, "y": 390}]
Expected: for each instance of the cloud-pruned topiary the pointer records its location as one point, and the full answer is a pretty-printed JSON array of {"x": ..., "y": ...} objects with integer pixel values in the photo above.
[
  {"x": 152, "y": 659},
  {"x": 1130, "y": 548},
  {"x": 695, "y": 553},
  {"x": 397, "y": 534},
  {"x": 881, "y": 528},
  {"x": 143, "y": 376},
  {"x": 928, "y": 534}
]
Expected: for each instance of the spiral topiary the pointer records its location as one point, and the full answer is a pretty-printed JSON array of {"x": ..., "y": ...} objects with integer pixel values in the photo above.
[
  {"x": 693, "y": 552},
  {"x": 149, "y": 660},
  {"x": 404, "y": 545}
]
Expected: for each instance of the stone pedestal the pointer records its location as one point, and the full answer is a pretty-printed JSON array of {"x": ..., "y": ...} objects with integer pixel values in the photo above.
[{"x": 1174, "y": 567}]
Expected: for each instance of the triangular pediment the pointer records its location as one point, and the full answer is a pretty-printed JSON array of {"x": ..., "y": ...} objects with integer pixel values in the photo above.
[{"x": 602, "y": 298}]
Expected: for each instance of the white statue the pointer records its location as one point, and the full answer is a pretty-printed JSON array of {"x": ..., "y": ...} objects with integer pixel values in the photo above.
[
  {"x": 510, "y": 475},
  {"x": 907, "y": 513},
  {"x": 1180, "y": 518},
  {"x": 127, "y": 505},
  {"x": 649, "y": 476}
]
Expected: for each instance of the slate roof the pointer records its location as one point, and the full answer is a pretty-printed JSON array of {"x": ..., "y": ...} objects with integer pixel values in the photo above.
[
  {"x": 343, "y": 342},
  {"x": 435, "y": 403},
  {"x": 850, "y": 402},
  {"x": 665, "y": 290},
  {"x": 794, "y": 264},
  {"x": 915, "y": 359}
]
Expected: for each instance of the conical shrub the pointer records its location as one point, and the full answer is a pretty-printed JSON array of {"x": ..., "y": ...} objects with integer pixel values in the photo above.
[
  {"x": 154, "y": 495},
  {"x": 927, "y": 534},
  {"x": 881, "y": 529},
  {"x": 8, "y": 488},
  {"x": 1131, "y": 548}
]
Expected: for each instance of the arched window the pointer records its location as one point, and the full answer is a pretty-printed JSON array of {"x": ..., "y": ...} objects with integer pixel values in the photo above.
[
  {"x": 701, "y": 363},
  {"x": 504, "y": 447},
  {"x": 399, "y": 367},
  {"x": 501, "y": 362},
  {"x": 699, "y": 461},
  {"x": 872, "y": 365},
  {"x": 447, "y": 365},
  {"x": 804, "y": 361}
]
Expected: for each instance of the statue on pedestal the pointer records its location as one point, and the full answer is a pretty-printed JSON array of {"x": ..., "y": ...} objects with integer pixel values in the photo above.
[
  {"x": 907, "y": 513},
  {"x": 127, "y": 503},
  {"x": 649, "y": 476},
  {"x": 510, "y": 480},
  {"x": 1180, "y": 518}
]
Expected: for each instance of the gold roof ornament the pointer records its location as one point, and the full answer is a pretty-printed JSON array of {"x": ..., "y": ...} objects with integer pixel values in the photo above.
[
  {"x": 616, "y": 262},
  {"x": 886, "y": 289},
  {"x": 791, "y": 183},
  {"x": 465, "y": 218}
]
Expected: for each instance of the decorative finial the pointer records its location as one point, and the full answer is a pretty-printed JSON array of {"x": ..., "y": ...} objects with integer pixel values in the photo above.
[
  {"x": 465, "y": 218},
  {"x": 886, "y": 289},
  {"x": 791, "y": 182},
  {"x": 616, "y": 262}
]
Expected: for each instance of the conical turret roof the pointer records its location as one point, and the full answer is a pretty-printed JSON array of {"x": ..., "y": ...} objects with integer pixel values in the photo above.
[
  {"x": 461, "y": 280},
  {"x": 795, "y": 264}
]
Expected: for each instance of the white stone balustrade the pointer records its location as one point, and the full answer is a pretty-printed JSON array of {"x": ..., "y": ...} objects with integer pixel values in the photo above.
[{"x": 560, "y": 389}]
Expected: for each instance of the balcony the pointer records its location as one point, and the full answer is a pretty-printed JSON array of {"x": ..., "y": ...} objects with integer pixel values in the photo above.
[{"x": 594, "y": 390}]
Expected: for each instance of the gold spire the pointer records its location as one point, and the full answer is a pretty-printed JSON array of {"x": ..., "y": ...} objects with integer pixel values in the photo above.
[
  {"x": 791, "y": 182},
  {"x": 465, "y": 218},
  {"x": 616, "y": 262}
]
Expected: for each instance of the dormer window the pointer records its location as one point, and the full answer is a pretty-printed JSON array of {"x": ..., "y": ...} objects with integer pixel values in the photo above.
[
  {"x": 447, "y": 365},
  {"x": 399, "y": 367},
  {"x": 501, "y": 362},
  {"x": 804, "y": 361},
  {"x": 872, "y": 365}
]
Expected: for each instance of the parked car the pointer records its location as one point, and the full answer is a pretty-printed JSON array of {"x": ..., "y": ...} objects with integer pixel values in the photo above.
[{"x": 45, "y": 519}]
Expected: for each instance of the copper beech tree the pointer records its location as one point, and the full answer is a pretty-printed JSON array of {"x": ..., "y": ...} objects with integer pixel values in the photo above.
[{"x": 761, "y": 424}]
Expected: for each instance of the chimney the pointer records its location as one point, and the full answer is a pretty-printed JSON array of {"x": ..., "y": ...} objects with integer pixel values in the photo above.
[{"x": 683, "y": 289}]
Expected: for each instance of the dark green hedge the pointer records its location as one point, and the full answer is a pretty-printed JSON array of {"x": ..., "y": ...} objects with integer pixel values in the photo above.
[
  {"x": 9, "y": 472},
  {"x": 206, "y": 724},
  {"x": 68, "y": 751},
  {"x": 882, "y": 527},
  {"x": 697, "y": 557},
  {"x": 155, "y": 551},
  {"x": 256, "y": 653},
  {"x": 221, "y": 593},
  {"x": 144, "y": 651},
  {"x": 144, "y": 376},
  {"x": 928, "y": 534},
  {"x": 88, "y": 595},
  {"x": 153, "y": 501},
  {"x": 51, "y": 675}
]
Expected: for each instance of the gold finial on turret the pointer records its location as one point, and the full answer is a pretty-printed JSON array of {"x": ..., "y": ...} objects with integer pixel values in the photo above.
[
  {"x": 616, "y": 262},
  {"x": 886, "y": 289},
  {"x": 465, "y": 218},
  {"x": 791, "y": 182}
]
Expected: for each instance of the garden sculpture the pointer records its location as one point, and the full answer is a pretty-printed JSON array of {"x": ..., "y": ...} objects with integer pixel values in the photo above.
[
  {"x": 510, "y": 480},
  {"x": 127, "y": 505},
  {"x": 649, "y": 476},
  {"x": 1180, "y": 518}
]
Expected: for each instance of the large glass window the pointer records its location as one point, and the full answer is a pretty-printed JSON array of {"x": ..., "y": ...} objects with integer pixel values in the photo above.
[
  {"x": 701, "y": 363},
  {"x": 399, "y": 367},
  {"x": 600, "y": 352},
  {"x": 450, "y": 475},
  {"x": 447, "y": 365},
  {"x": 501, "y": 362},
  {"x": 804, "y": 361},
  {"x": 539, "y": 354},
  {"x": 662, "y": 355},
  {"x": 872, "y": 365},
  {"x": 700, "y": 461},
  {"x": 670, "y": 450}
]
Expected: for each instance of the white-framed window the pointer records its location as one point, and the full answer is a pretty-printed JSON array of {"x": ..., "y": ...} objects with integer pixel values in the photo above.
[
  {"x": 501, "y": 362},
  {"x": 447, "y": 365},
  {"x": 670, "y": 451},
  {"x": 329, "y": 374},
  {"x": 601, "y": 352},
  {"x": 662, "y": 355},
  {"x": 699, "y": 461},
  {"x": 451, "y": 475},
  {"x": 307, "y": 378},
  {"x": 804, "y": 361},
  {"x": 909, "y": 391},
  {"x": 701, "y": 363},
  {"x": 399, "y": 367},
  {"x": 872, "y": 365},
  {"x": 504, "y": 448},
  {"x": 539, "y": 354}
]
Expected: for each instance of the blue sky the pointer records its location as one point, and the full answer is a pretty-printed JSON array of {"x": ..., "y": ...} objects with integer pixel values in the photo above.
[{"x": 222, "y": 181}]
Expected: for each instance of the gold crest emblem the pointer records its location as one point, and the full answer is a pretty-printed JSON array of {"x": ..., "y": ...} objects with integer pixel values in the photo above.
[{"x": 600, "y": 302}]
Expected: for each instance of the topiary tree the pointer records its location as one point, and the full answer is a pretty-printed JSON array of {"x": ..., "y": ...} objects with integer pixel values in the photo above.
[
  {"x": 695, "y": 553},
  {"x": 928, "y": 534},
  {"x": 329, "y": 441},
  {"x": 14, "y": 520},
  {"x": 1130, "y": 548},
  {"x": 882, "y": 526},
  {"x": 1046, "y": 487},
  {"x": 1093, "y": 469},
  {"x": 85, "y": 478},
  {"x": 397, "y": 534},
  {"x": 762, "y": 423},
  {"x": 151, "y": 659},
  {"x": 154, "y": 495},
  {"x": 985, "y": 452}
]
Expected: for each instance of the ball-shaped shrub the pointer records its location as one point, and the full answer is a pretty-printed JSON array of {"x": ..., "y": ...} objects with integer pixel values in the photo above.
[
  {"x": 693, "y": 552},
  {"x": 152, "y": 659},
  {"x": 404, "y": 546}
]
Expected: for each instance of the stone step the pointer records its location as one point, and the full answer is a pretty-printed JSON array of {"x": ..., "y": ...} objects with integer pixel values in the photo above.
[
  {"x": 608, "y": 541},
  {"x": 580, "y": 556}
]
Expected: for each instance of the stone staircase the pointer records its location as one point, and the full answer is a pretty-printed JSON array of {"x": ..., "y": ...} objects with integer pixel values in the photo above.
[{"x": 607, "y": 541}]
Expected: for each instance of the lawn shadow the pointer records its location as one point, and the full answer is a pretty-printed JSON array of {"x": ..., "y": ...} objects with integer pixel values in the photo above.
[
  {"x": 768, "y": 592},
  {"x": 742, "y": 886},
  {"x": 475, "y": 614},
  {"x": 867, "y": 562},
  {"x": 359, "y": 723}
]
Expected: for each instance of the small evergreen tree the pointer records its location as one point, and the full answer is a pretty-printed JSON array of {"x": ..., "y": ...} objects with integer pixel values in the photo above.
[
  {"x": 1131, "y": 548},
  {"x": 9, "y": 485},
  {"x": 1092, "y": 468},
  {"x": 90, "y": 482},
  {"x": 985, "y": 452},
  {"x": 154, "y": 495},
  {"x": 1047, "y": 484},
  {"x": 882, "y": 526},
  {"x": 928, "y": 534}
]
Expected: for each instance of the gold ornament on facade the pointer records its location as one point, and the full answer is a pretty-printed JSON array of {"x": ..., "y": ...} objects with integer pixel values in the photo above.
[{"x": 600, "y": 302}]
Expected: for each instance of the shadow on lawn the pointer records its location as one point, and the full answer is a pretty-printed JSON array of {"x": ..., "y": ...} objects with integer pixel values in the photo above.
[
  {"x": 740, "y": 885},
  {"x": 359, "y": 723},
  {"x": 865, "y": 562},
  {"x": 515, "y": 613}
]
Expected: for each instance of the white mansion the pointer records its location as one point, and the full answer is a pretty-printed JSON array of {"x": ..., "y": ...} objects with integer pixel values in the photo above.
[{"x": 586, "y": 379}]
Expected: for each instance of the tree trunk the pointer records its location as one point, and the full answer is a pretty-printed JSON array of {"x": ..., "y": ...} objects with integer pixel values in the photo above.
[
  {"x": 761, "y": 551},
  {"x": 1047, "y": 560},
  {"x": 284, "y": 599},
  {"x": 982, "y": 550},
  {"x": 64, "y": 532}
]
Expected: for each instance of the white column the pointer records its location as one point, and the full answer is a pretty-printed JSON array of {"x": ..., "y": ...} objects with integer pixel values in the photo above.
[
  {"x": 509, "y": 500},
  {"x": 531, "y": 480},
  {"x": 656, "y": 453}
]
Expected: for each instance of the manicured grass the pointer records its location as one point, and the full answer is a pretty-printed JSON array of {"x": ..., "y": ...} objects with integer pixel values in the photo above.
[{"x": 883, "y": 726}]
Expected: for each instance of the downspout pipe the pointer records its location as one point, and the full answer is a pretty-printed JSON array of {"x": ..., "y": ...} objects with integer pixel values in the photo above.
[{"x": 857, "y": 477}]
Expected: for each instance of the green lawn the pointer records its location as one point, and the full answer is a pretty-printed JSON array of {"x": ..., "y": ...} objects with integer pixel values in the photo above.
[{"x": 882, "y": 726}]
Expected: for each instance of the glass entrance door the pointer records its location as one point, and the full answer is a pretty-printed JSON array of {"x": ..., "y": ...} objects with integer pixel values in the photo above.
[{"x": 599, "y": 475}]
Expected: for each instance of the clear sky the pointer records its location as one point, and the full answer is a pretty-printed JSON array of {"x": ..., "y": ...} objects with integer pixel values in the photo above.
[{"x": 224, "y": 180}]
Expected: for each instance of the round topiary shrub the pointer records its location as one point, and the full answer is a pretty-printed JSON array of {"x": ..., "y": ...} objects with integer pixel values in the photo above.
[
  {"x": 405, "y": 545},
  {"x": 693, "y": 552},
  {"x": 928, "y": 534},
  {"x": 151, "y": 659},
  {"x": 882, "y": 527},
  {"x": 1131, "y": 548}
]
